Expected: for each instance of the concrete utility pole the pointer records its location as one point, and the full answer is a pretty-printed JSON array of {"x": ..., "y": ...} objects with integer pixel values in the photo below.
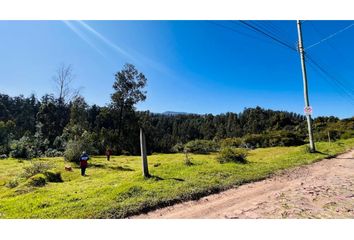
[
  {"x": 306, "y": 95},
  {"x": 143, "y": 154}
]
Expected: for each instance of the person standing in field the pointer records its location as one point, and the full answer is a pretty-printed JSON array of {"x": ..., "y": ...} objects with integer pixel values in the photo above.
[
  {"x": 108, "y": 153},
  {"x": 83, "y": 162}
]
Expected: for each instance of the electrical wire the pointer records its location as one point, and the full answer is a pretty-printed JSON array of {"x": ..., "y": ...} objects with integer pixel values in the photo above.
[
  {"x": 330, "y": 36},
  {"x": 257, "y": 29},
  {"x": 330, "y": 76},
  {"x": 262, "y": 29},
  {"x": 233, "y": 30}
]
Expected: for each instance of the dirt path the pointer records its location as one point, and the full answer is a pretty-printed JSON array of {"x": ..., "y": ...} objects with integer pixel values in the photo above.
[{"x": 321, "y": 190}]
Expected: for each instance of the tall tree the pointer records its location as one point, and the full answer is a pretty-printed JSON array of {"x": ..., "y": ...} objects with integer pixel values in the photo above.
[{"x": 129, "y": 90}]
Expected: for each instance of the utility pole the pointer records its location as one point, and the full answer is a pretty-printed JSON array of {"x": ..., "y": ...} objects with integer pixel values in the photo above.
[
  {"x": 143, "y": 154},
  {"x": 306, "y": 95}
]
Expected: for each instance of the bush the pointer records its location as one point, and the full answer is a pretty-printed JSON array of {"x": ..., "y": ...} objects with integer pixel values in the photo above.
[
  {"x": 23, "y": 148},
  {"x": 53, "y": 176},
  {"x": 272, "y": 139},
  {"x": 36, "y": 168},
  {"x": 73, "y": 151},
  {"x": 283, "y": 138},
  {"x": 12, "y": 183},
  {"x": 74, "y": 148},
  {"x": 347, "y": 135},
  {"x": 53, "y": 153},
  {"x": 37, "y": 180},
  {"x": 179, "y": 147},
  {"x": 229, "y": 154},
  {"x": 231, "y": 142},
  {"x": 201, "y": 146},
  {"x": 253, "y": 141}
]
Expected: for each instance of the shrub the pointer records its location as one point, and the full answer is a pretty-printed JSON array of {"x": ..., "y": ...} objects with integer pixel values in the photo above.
[
  {"x": 229, "y": 154},
  {"x": 272, "y": 139},
  {"x": 53, "y": 176},
  {"x": 74, "y": 148},
  {"x": 23, "y": 148},
  {"x": 347, "y": 135},
  {"x": 201, "y": 146},
  {"x": 12, "y": 183},
  {"x": 179, "y": 147},
  {"x": 37, "y": 180},
  {"x": 283, "y": 138},
  {"x": 253, "y": 140},
  {"x": 231, "y": 142},
  {"x": 73, "y": 151},
  {"x": 53, "y": 153},
  {"x": 36, "y": 168}
]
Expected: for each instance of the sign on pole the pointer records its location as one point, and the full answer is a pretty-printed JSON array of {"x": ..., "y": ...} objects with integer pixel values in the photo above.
[{"x": 308, "y": 110}]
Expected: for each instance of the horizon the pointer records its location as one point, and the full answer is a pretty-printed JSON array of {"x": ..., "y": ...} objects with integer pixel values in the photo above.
[
  {"x": 173, "y": 112},
  {"x": 202, "y": 67}
]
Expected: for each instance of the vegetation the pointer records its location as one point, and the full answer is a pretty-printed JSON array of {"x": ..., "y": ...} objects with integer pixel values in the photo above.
[
  {"x": 37, "y": 180},
  {"x": 229, "y": 154},
  {"x": 58, "y": 124},
  {"x": 62, "y": 125},
  {"x": 36, "y": 168},
  {"x": 53, "y": 176},
  {"x": 116, "y": 188},
  {"x": 201, "y": 146},
  {"x": 29, "y": 135}
]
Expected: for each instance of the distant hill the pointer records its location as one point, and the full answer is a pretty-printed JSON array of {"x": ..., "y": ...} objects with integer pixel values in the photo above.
[{"x": 171, "y": 113}]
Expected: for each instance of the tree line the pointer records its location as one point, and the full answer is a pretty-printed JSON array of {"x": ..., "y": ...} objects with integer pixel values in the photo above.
[{"x": 31, "y": 127}]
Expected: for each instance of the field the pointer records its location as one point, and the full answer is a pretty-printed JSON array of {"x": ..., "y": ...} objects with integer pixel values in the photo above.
[{"x": 116, "y": 189}]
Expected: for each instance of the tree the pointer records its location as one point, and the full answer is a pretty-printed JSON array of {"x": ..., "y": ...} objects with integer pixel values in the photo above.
[
  {"x": 129, "y": 84},
  {"x": 52, "y": 117},
  {"x": 63, "y": 78}
]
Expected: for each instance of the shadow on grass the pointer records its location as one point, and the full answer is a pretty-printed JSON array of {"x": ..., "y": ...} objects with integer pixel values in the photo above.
[
  {"x": 118, "y": 168},
  {"x": 157, "y": 178},
  {"x": 319, "y": 152}
]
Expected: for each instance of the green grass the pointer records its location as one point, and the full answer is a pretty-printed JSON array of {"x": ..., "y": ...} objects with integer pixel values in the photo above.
[{"x": 117, "y": 189}]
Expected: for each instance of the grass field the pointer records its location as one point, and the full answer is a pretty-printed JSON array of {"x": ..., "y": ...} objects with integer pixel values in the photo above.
[{"x": 116, "y": 189}]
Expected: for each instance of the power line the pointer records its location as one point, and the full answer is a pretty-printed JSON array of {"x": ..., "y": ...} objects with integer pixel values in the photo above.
[
  {"x": 317, "y": 67},
  {"x": 232, "y": 29},
  {"x": 257, "y": 29},
  {"x": 272, "y": 30},
  {"x": 330, "y": 36},
  {"x": 331, "y": 77},
  {"x": 335, "y": 50},
  {"x": 336, "y": 88}
]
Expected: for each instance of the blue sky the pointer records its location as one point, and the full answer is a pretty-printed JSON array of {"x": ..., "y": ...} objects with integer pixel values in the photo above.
[{"x": 191, "y": 66}]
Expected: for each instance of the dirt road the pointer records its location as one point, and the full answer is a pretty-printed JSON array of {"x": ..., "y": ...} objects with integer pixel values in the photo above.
[{"x": 321, "y": 190}]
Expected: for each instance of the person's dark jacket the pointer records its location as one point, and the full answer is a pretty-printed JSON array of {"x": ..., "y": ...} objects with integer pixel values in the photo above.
[{"x": 83, "y": 160}]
